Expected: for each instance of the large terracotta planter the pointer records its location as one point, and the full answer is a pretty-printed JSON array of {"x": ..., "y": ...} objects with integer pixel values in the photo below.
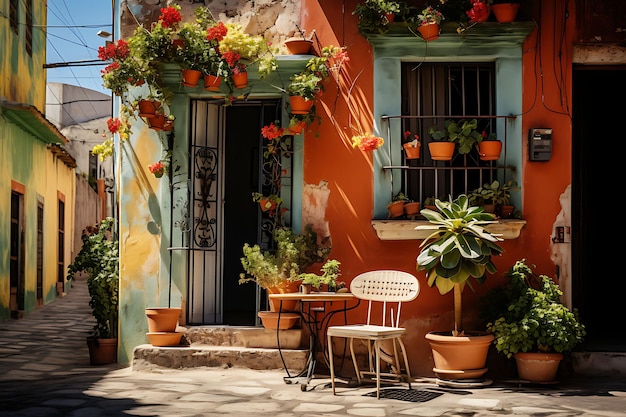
[
  {"x": 102, "y": 351},
  {"x": 191, "y": 77},
  {"x": 429, "y": 32},
  {"x": 489, "y": 150},
  {"x": 164, "y": 338},
  {"x": 505, "y": 12},
  {"x": 271, "y": 320},
  {"x": 299, "y": 105},
  {"x": 537, "y": 367},
  {"x": 162, "y": 319},
  {"x": 460, "y": 357},
  {"x": 441, "y": 151}
]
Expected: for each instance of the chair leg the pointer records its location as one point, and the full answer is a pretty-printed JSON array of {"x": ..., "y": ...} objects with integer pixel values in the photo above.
[
  {"x": 330, "y": 360},
  {"x": 354, "y": 362},
  {"x": 406, "y": 362},
  {"x": 377, "y": 349}
]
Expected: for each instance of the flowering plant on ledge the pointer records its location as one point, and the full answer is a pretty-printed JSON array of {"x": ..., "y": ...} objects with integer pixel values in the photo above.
[
  {"x": 429, "y": 16},
  {"x": 158, "y": 168},
  {"x": 367, "y": 142}
]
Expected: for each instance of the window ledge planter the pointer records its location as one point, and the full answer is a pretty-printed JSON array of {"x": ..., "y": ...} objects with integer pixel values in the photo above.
[{"x": 405, "y": 229}]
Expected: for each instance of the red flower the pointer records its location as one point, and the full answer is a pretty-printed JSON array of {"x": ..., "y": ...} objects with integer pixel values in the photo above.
[
  {"x": 479, "y": 11},
  {"x": 231, "y": 58},
  {"x": 114, "y": 124},
  {"x": 367, "y": 142},
  {"x": 407, "y": 136},
  {"x": 158, "y": 169},
  {"x": 112, "y": 50},
  {"x": 216, "y": 32},
  {"x": 272, "y": 131},
  {"x": 111, "y": 67},
  {"x": 170, "y": 16}
]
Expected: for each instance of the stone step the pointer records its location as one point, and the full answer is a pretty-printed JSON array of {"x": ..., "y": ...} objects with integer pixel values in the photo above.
[{"x": 246, "y": 347}]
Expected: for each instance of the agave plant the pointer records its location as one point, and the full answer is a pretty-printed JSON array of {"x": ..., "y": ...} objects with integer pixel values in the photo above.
[{"x": 458, "y": 248}]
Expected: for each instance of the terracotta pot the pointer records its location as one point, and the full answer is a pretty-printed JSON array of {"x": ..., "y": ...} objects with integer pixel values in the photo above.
[
  {"x": 412, "y": 209},
  {"x": 102, "y": 351},
  {"x": 164, "y": 338},
  {"x": 412, "y": 152},
  {"x": 147, "y": 108},
  {"x": 287, "y": 287},
  {"x": 396, "y": 209},
  {"x": 240, "y": 80},
  {"x": 441, "y": 151},
  {"x": 157, "y": 122},
  {"x": 162, "y": 319},
  {"x": 298, "y": 46},
  {"x": 271, "y": 320},
  {"x": 489, "y": 208},
  {"x": 429, "y": 32},
  {"x": 267, "y": 205},
  {"x": 505, "y": 12},
  {"x": 168, "y": 126},
  {"x": 191, "y": 77},
  {"x": 506, "y": 211},
  {"x": 390, "y": 17},
  {"x": 537, "y": 367},
  {"x": 461, "y": 357},
  {"x": 178, "y": 43},
  {"x": 299, "y": 105},
  {"x": 489, "y": 150},
  {"x": 212, "y": 82}
]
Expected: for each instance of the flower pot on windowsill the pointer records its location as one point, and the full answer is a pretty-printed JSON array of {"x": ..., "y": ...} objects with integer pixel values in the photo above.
[
  {"x": 412, "y": 152},
  {"x": 441, "y": 151},
  {"x": 396, "y": 209},
  {"x": 412, "y": 209},
  {"x": 191, "y": 77},
  {"x": 505, "y": 12},
  {"x": 240, "y": 80},
  {"x": 429, "y": 32},
  {"x": 489, "y": 150},
  {"x": 212, "y": 82}
]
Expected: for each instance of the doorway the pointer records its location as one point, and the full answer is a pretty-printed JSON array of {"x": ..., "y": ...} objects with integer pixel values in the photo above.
[
  {"x": 597, "y": 277},
  {"x": 226, "y": 168}
]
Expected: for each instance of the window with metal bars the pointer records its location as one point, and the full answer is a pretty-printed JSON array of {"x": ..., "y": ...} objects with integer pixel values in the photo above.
[{"x": 431, "y": 94}]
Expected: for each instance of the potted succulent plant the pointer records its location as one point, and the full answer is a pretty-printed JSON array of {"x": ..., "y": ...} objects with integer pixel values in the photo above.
[
  {"x": 530, "y": 323},
  {"x": 99, "y": 258},
  {"x": 396, "y": 205},
  {"x": 457, "y": 250}
]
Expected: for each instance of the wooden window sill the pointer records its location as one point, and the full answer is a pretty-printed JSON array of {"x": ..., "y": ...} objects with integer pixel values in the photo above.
[{"x": 405, "y": 229}]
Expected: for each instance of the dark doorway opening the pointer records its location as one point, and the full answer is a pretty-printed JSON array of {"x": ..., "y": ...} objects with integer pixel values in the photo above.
[
  {"x": 598, "y": 281},
  {"x": 242, "y": 218}
]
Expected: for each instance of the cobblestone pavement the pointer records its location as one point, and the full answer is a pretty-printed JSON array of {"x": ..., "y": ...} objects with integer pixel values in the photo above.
[{"x": 45, "y": 371}]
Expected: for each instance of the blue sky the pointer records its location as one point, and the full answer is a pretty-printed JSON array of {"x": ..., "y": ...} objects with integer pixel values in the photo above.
[{"x": 72, "y": 36}]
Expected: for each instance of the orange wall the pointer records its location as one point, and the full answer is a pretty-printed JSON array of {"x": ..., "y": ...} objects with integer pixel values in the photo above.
[{"x": 347, "y": 111}]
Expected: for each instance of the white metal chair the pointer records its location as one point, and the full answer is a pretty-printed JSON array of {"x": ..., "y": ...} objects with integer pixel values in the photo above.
[{"x": 389, "y": 289}]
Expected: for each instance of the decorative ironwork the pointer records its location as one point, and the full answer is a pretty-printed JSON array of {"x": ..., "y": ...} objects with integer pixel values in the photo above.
[{"x": 205, "y": 222}]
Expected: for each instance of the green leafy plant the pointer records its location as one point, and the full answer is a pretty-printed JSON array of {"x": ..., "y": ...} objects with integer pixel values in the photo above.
[
  {"x": 459, "y": 248},
  {"x": 374, "y": 15},
  {"x": 462, "y": 132},
  {"x": 530, "y": 316},
  {"x": 99, "y": 258},
  {"x": 493, "y": 193},
  {"x": 330, "y": 273},
  {"x": 294, "y": 253}
]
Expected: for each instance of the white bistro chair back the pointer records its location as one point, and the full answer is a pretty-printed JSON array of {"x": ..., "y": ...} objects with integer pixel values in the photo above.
[{"x": 385, "y": 291}]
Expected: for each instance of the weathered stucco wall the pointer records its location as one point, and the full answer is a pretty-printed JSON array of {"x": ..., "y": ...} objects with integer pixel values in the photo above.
[{"x": 275, "y": 20}]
